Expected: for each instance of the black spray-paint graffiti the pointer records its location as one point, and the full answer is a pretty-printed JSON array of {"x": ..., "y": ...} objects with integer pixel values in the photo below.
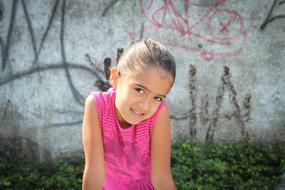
[
  {"x": 108, "y": 7},
  {"x": 241, "y": 114},
  {"x": 270, "y": 17},
  {"x": 1, "y": 11},
  {"x": 37, "y": 66},
  {"x": 5, "y": 111},
  {"x": 5, "y": 48},
  {"x": 1, "y": 41}
]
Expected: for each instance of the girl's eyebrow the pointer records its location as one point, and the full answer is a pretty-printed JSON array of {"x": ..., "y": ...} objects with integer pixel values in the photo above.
[{"x": 164, "y": 96}]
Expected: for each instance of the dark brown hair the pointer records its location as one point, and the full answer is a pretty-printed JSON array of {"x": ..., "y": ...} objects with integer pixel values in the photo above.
[{"x": 146, "y": 52}]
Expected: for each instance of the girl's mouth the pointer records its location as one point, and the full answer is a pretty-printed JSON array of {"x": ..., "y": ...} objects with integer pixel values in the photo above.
[{"x": 136, "y": 112}]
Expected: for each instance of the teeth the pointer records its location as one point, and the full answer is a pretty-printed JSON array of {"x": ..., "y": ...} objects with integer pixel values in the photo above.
[{"x": 137, "y": 113}]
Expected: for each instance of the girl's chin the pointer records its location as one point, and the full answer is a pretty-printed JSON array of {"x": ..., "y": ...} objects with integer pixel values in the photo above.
[
  {"x": 133, "y": 121},
  {"x": 132, "y": 118}
]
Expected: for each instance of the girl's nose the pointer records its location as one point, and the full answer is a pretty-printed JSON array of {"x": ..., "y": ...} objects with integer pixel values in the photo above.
[{"x": 144, "y": 105}]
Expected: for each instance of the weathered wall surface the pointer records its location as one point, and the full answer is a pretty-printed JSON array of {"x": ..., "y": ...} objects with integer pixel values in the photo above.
[{"x": 230, "y": 67}]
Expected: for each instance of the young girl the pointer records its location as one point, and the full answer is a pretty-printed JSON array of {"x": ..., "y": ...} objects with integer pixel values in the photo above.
[{"x": 126, "y": 131}]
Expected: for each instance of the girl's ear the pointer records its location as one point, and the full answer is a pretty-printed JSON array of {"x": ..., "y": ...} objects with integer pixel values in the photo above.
[{"x": 114, "y": 76}]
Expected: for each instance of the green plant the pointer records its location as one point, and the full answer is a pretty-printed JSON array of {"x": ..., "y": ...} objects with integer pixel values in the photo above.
[
  {"x": 227, "y": 166},
  {"x": 195, "y": 166},
  {"x": 16, "y": 174}
]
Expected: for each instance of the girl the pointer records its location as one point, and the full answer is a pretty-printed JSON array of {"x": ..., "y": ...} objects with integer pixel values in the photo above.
[{"x": 126, "y": 131}]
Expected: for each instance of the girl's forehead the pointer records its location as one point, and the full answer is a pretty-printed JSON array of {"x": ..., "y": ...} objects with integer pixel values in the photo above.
[
  {"x": 155, "y": 79},
  {"x": 149, "y": 72}
]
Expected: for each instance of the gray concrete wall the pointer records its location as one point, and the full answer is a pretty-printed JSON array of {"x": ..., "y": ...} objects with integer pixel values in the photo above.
[{"x": 230, "y": 67}]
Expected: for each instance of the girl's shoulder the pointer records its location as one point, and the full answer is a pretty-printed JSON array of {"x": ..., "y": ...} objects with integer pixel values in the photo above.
[
  {"x": 103, "y": 100},
  {"x": 100, "y": 96}
]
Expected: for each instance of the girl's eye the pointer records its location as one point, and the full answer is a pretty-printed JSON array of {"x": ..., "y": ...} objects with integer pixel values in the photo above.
[
  {"x": 139, "y": 90},
  {"x": 159, "y": 99}
]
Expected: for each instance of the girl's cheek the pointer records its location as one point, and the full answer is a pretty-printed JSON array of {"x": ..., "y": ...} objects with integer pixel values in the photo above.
[{"x": 154, "y": 108}]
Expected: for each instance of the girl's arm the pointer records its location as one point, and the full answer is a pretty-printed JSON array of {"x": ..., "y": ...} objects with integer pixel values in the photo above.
[
  {"x": 160, "y": 153},
  {"x": 94, "y": 172}
]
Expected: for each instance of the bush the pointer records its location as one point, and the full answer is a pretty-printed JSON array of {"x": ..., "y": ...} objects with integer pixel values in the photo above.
[
  {"x": 16, "y": 174},
  {"x": 195, "y": 166},
  {"x": 227, "y": 166}
]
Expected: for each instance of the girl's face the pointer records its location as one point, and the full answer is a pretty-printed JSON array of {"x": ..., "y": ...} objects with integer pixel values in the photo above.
[{"x": 139, "y": 95}]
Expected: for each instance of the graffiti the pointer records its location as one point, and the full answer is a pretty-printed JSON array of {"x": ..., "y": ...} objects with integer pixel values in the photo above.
[
  {"x": 1, "y": 41},
  {"x": 100, "y": 84},
  {"x": 5, "y": 48},
  {"x": 241, "y": 118},
  {"x": 43, "y": 68},
  {"x": 269, "y": 18},
  {"x": 38, "y": 67},
  {"x": 1, "y": 10},
  {"x": 192, "y": 93},
  {"x": 108, "y": 7},
  {"x": 228, "y": 36},
  {"x": 218, "y": 32},
  {"x": 119, "y": 53},
  {"x": 210, "y": 120},
  {"x": 78, "y": 97},
  {"x": 5, "y": 111}
]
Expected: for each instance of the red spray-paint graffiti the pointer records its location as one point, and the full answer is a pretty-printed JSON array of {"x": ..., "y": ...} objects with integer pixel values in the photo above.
[{"x": 202, "y": 28}]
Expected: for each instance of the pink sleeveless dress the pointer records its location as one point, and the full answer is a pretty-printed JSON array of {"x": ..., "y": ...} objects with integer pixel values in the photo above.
[{"x": 126, "y": 150}]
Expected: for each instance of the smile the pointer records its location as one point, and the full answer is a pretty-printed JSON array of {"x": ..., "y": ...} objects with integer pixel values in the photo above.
[{"x": 136, "y": 113}]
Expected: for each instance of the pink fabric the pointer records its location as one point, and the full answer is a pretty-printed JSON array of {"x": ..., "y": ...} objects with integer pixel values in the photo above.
[{"x": 126, "y": 151}]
